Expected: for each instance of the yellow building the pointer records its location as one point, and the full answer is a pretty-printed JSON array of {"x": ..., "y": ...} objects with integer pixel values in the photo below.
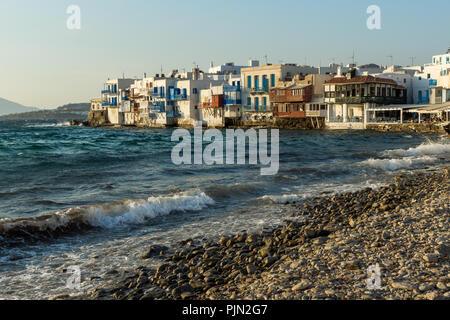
[{"x": 257, "y": 81}]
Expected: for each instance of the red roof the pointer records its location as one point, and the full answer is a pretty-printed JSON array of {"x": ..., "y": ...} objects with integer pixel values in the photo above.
[{"x": 364, "y": 79}]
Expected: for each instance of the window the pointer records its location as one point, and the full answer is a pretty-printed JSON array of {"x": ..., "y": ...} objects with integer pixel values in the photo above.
[
  {"x": 194, "y": 91},
  {"x": 265, "y": 102},
  {"x": 256, "y": 82},
  {"x": 249, "y": 101},
  {"x": 249, "y": 82},
  {"x": 272, "y": 80}
]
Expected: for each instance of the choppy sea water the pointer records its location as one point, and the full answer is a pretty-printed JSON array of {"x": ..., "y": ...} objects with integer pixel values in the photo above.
[{"x": 96, "y": 198}]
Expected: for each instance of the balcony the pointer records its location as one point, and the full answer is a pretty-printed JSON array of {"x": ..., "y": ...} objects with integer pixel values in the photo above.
[
  {"x": 259, "y": 90},
  {"x": 109, "y": 104},
  {"x": 156, "y": 109},
  {"x": 106, "y": 91},
  {"x": 204, "y": 105},
  {"x": 158, "y": 94},
  {"x": 231, "y": 89},
  {"x": 125, "y": 99},
  {"x": 228, "y": 102},
  {"x": 181, "y": 96},
  {"x": 371, "y": 99},
  {"x": 173, "y": 114},
  {"x": 257, "y": 109}
]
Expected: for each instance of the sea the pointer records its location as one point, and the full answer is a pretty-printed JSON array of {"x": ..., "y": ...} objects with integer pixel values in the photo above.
[{"x": 97, "y": 198}]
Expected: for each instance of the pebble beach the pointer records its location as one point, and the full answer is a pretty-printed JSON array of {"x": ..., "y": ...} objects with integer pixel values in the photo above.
[{"x": 327, "y": 250}]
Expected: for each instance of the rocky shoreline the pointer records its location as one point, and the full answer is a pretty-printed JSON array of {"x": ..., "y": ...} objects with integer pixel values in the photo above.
[{"x": 323, "y": 251}]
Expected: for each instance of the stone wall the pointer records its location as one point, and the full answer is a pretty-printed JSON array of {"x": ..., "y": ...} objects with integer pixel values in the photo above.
[
  {"x": 97, "y": 118},
  {"x": 407, "y": 127}
]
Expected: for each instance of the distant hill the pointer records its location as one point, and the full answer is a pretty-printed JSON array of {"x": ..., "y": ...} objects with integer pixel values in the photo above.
[
  {"x": 68, "y": 112},
  {"x": 9, "y": 107}
]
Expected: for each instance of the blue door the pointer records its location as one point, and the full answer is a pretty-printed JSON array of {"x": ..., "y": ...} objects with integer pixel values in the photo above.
[{"x": 265, "y": 84}]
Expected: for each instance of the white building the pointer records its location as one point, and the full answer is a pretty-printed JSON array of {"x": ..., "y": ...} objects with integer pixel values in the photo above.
[
  {"x": 418, "y": 90},
  {"x": 227, "y": 68}
]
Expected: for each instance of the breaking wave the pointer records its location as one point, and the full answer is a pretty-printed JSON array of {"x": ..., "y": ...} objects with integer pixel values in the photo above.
[
  {"x": 423, "y": 155},
  {"x": 426, "y": 149},
  {"x": 398, "y": 164},
  {"x": 105, "y": 216}
]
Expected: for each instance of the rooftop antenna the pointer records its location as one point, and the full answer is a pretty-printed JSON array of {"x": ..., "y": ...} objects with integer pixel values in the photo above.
[
  {"x": 392, "y": 59},
  {"x": 412, "y": 60},
  {"x": 266, "y": 59},
  {"x": 353, "y": 57}
]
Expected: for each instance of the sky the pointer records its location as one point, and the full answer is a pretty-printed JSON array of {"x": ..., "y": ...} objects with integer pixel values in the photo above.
[{"x": 45, "y": 64}]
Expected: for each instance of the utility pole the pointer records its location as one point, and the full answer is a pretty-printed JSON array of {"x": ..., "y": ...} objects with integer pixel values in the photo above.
[{"x": 412, "y": 60}]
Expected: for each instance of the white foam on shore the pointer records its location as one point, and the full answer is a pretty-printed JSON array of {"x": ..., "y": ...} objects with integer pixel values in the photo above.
[
  {"x": 321, "y": 190},
  {"x": 402, "y": 163}
]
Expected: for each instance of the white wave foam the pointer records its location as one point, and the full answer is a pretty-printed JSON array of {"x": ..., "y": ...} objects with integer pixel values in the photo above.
[
  {"x": 284, "y": 198},
  {"x": 426, "y": 149},
  {"x": 138, "y": 212},
  {"x": 129, "y": 212},
  {"x": 49, "y": 125},
  {"x": 320, "y": 190},
  {"x": 402, "y": 163}
]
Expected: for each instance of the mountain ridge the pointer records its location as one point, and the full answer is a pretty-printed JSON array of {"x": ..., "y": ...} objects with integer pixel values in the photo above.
[{"x": 10, "y": 107}]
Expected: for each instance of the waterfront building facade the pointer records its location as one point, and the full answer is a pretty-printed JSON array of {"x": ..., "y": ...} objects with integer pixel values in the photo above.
[
  {"x": 257, "y": 82},
  {"x": 348, "y": 97}
]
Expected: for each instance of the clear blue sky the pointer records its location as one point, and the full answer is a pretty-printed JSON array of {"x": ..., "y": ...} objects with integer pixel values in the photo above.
[{"x": 44, "y": 64}]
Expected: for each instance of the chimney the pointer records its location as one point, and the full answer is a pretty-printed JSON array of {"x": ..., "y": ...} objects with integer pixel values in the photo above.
[{"x": 339, "y": 71}]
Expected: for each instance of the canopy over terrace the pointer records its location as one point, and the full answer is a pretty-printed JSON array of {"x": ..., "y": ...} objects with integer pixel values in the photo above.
[
  {"x": 407, "y": 113},
  {"x": 386, "y": 114},
  {"x": 441, "y": 111}
]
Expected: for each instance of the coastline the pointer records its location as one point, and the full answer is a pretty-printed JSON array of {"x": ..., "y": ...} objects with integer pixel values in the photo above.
[
  {"x": 322, "y": 252},
  {"x": 418, "y": 128},
  {"x": 98, "y": 120}
]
